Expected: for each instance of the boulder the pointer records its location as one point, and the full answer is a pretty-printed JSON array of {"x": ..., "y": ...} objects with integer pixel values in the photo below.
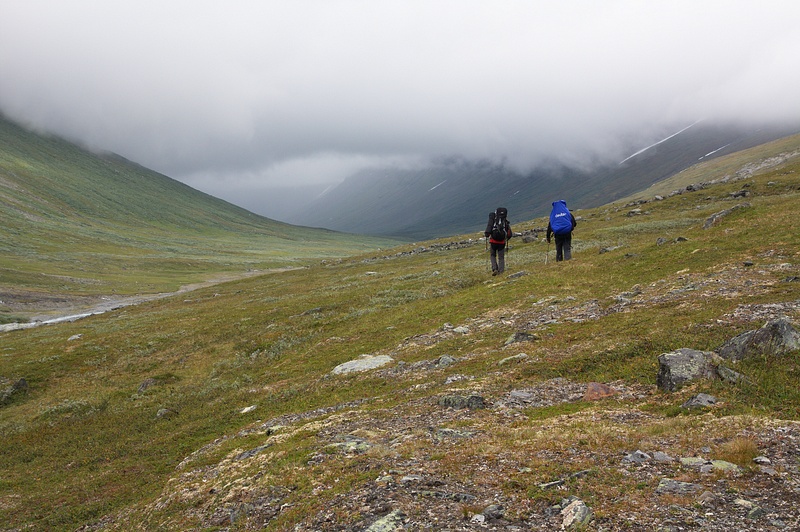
[
  {"x": 366, "y": 362},
  {"x": 776, "y": 338},
  {"x": 597, "y": 390},
  {"x": 684, "y": 365},
  {"x": 9, "y": 390},
  {"x": 473, "y": 402}
]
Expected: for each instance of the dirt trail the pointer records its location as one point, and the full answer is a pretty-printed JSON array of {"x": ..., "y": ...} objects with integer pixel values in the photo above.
[{"x": 45, "y": 308}]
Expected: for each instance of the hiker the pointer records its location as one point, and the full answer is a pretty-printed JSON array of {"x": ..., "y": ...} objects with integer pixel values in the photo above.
[
  {"x": 561, "y": 224},
  {"x": 498, "y": 231}
]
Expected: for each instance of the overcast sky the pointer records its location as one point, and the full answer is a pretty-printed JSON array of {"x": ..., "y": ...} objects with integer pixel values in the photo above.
[{"x": 231, "y": 97}]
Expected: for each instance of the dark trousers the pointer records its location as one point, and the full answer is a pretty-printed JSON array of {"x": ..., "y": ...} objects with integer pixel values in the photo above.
[
  {"x": 563, "y": 247},
  {"x": 498, "y": 255}
]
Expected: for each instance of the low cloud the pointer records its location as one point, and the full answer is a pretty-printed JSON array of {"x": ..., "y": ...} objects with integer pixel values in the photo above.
[{"x": 252, "y": 95}]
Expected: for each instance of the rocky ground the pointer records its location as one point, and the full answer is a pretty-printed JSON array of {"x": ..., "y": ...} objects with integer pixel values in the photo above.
[{"x": 444, "y": 462}]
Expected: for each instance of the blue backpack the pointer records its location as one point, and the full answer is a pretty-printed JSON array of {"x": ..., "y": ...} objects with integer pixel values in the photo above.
[{"x": 560, "y": 218}]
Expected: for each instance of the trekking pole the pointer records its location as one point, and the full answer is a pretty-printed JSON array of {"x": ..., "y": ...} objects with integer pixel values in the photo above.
[{"x": 547, "y": 253}]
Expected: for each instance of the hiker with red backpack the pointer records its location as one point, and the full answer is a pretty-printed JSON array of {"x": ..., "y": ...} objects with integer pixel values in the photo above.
[
  {"x": 498, "y": 231},
  {"x": 561, "y": 224}
]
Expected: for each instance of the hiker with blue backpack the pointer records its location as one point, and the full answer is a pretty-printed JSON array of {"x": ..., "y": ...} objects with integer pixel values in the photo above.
[
  {"x": 498, "y": 231},
  {"x": 561, "y": 224}
]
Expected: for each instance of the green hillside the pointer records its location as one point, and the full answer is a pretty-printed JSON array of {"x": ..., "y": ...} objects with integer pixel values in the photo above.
[
  {"x": 75, "y": 222},
  {"x": 220, "y": 409}
]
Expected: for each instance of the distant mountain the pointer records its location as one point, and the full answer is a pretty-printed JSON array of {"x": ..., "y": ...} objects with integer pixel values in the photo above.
[
  {"x": 455, "y": 195},
  {"x": 70, "y": 216}
]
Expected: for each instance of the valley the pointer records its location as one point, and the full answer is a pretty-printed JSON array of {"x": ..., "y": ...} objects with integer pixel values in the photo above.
[{"x": 402, "y": 386}]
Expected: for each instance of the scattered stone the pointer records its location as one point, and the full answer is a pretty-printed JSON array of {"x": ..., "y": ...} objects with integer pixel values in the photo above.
[
  {"x": 251, "y": 453},
  {"x": 636, "y": 457},
  {"x": 444, "y": 433},
  {"x": 596, "y": 391},
  {"x": 19, "y": 387},
  {"x": 553, "y": 484},
  {"x": 708, "y": 500},
  {"x": 667, "y": 485},
  {"x": 494, "y": 511},
  {"x": 517, "y": 275},
  {"x": 660, "y": 456},
  {"x": 701, "y": 400},
  {"x": 521, "y": 336},
  {"x": 365, "y": 363},
  {"x": 716, "y": 217},
  {"x": 473, "y": 402},
  {"x": 728, "y": 375},
  {"x": 678, "y": 367},
  {"x": 762, "y": 460},
  {"x": 694, "y": 461},
  {"x": 74, "y": 337},
  {"x": 776, "y": 338},
  {"x": 445, "y": 361},
  {"x": 515, "y": 358},
  {"x": 458, "y": 378},
  {"x": 147, "y": 383},
  {"x": 166, "y": 413},
  {"x": 576, "y": 515},
  {"x": 388, "y": 523},
  {"x": 248, "y": 409},
  {"x": 351, "y": 445},
  {"x": 461, "y": 330},
  {"x": 722, "y": 465}
]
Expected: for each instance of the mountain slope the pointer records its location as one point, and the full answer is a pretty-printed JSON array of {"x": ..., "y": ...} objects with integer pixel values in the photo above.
[
  {"x": 223, "y": 409},
  {"x": 456, "y": 195},
  {"x": 84, "y": 222}
]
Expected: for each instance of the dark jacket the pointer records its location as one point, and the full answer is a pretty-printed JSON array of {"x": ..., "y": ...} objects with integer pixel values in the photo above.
[{"x": 492, "y": 240}]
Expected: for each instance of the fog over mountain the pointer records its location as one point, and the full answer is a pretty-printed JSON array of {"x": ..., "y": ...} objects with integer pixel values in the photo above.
[{"x": 250, "y": 100}]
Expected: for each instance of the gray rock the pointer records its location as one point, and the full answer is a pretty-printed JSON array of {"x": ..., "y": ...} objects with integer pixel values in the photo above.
[
  {"x": 722, "y": 465},
  {"x": 251, "y": 453},
  {"x": 684, "y": 365},
  {"x": 446, "y": 433},
  {"x": 701, "y": 400},
  {"x": 19, "y": 387},
  {"x": 166, "y": 413},
  {"x": 366, "y": 362},
  {"x": 521, "y": 336},
  {"x": 775, "y": 338},
  {"x": 667, "y": 485},
  {"x": 445, "y": 361},
  {"x": 660, "y": 456},
  {"x": 511, "y": 359},
  {"x": 716, "y": 217},
  {"x": 694, "y": 461},
  {"x": 636, "y": 457},
  {"x": 473, "y": 402},
  {"x": 730, "y": 376},
  {"x": 576, "y": 516},
  {"x": 388, "y": 523},
  {"x": 494, "y": 511},
  {"x": 147, "y": 383}
]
